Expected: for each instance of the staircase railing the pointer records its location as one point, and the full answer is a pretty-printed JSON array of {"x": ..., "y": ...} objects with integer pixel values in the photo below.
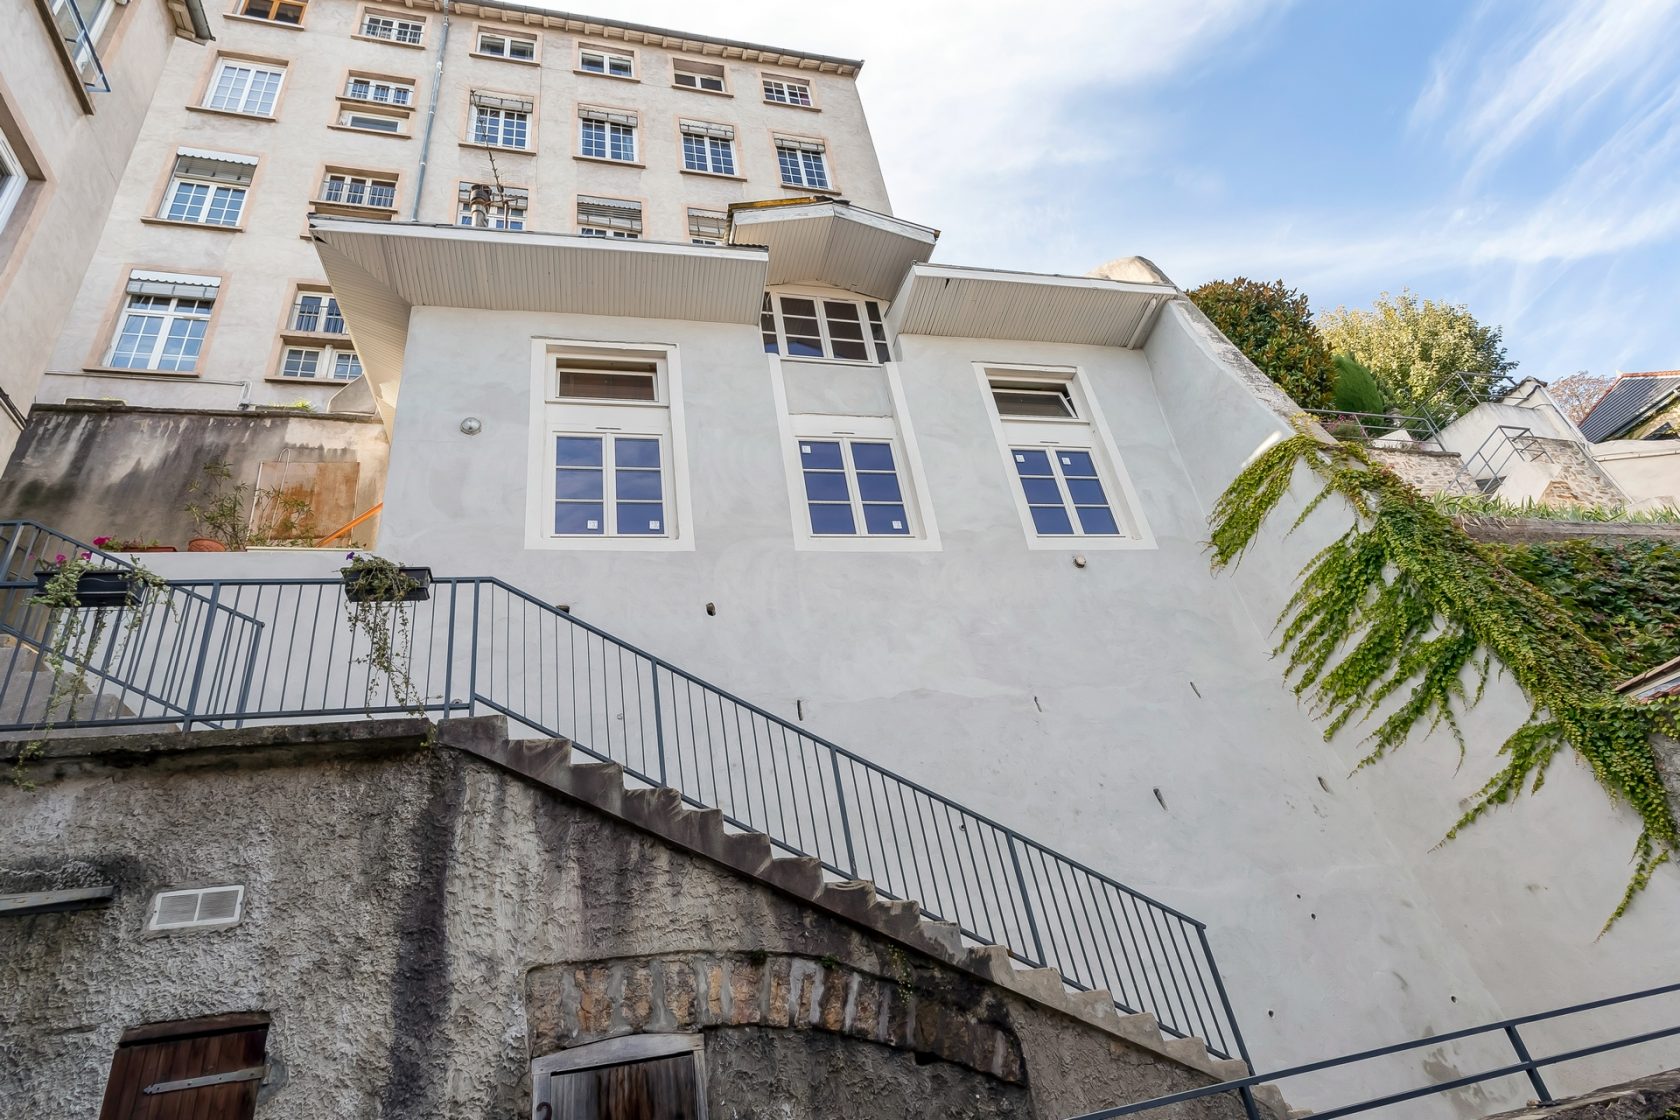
[{"x": 275, "y": 650}]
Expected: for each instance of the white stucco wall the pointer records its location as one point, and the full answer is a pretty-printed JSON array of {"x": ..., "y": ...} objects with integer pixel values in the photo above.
[
  {"x": 1060, "y": 699},
  {"x": 1647, "y": 470}
]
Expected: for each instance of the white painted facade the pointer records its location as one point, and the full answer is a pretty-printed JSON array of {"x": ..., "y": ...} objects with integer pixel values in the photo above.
[{"x": 283, "y": 138}]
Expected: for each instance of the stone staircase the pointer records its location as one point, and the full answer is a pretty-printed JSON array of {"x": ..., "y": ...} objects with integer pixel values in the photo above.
[
  {"x": 661, "y": 812},
  {"x": 26, "y": 692}
]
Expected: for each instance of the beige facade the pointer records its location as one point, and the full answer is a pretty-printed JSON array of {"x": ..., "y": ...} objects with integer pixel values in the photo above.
[
  {"x": 382, "y": 111},
  {"x": 71, "y": 106}
]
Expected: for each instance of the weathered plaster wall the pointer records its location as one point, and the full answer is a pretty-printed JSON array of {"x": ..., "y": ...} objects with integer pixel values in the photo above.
[
  {"x": 128, "y": 472},
  {"x": 420, "y": 924},
  {"x": 1647, "y": 472}
]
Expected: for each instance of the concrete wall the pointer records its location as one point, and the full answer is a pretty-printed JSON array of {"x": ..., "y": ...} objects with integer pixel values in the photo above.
[
  {"x": 262, "y": 262},
  {"x": 75, "y": 146},
  {"x": 1554, "y": 465},
  {"x": 1647, "y": 471},
  {"x": 420, "y": 925},
  {"x": 127, "y": 472}
]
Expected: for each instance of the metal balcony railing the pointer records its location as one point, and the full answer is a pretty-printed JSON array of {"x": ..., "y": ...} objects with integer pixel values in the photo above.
[{"x": 231, "y": 652}]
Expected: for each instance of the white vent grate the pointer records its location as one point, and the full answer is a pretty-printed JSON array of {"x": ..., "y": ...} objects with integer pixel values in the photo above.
[{"x": 201, "y": 906}]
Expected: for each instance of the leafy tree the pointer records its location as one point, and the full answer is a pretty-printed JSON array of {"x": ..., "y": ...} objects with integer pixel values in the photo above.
[
  {"x": 1416, "y": 347},
  {"x": 1272, "y": 325},
  {"x": 1356, "y": 390},
  {"x": 1577, "y": 393}
]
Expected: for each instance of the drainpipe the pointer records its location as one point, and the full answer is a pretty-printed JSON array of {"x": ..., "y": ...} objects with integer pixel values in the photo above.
[{"x": 431, "y": 116}]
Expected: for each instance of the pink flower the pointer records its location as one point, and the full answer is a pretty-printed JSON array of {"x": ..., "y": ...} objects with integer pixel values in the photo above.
[
  {"x": 59, "y": 559},
  {"x": 87, "y": 556},
  {"x": 101, "y": 542}
]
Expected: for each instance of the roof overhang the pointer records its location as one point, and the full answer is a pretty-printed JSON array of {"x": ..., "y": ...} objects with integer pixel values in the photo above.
[
  {"x": 380, "y": 271},
  {"x": 1028, "y": 307},
  {"x": 827, "y": 241}
]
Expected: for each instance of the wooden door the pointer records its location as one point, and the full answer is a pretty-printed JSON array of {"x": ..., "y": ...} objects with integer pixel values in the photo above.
[{"x": 200, "y": 1069}]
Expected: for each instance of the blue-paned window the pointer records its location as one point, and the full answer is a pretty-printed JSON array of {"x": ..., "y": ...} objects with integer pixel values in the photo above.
[
  {"x": 609, "y": 485},
  {"x": 1064, "y": 492},
  {"x": 852, "y": 488}
]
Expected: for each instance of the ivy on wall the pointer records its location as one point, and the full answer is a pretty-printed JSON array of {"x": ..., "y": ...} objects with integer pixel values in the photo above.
[{"x": 1405, "y": 607}]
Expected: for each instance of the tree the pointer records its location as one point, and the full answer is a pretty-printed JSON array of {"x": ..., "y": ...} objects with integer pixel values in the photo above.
[
  {"x": 1272, "y": 325},
  {"x": 1577, "y": 393},
  {"x": 1356, "y": 390},
  {"x": 1415, "y": 348}
]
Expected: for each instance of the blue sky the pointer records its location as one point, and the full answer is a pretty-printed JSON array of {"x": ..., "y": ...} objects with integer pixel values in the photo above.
[{"x": 1521, "y": 156}]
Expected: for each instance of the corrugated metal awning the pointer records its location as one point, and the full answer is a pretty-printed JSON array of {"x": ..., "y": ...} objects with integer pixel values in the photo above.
[
  {"x": 831, "y": 242},
  {"x": 217, "y": 157}
]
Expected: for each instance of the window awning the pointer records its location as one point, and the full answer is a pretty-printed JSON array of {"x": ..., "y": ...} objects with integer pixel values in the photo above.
[
  {"x": 172, "y": 285},
  {"x": 1027, "y": 307},
  {"x": 702, "y": 128},
  {"x": 216, "y": 157},
  {"x": 825, "y": 241},
  {"x": 627, "y": 119}
]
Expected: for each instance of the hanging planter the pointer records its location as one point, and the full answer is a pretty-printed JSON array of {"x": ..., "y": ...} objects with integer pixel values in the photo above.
[
  {"x": 381, "y": 582},
  {"x": 97, "y": 587}
]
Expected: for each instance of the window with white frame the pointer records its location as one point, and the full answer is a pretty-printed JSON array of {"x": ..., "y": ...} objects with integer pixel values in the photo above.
[
  {"x": 371, "y": 120},
  {"x": 501, "y": 122},
  {"x": 393, "y": 28},
  {"x": 320, "y": 363},
  {"x": 379, "y": 91},
  {"x": 607, "y": 135},
  {"x": 245, "y": 87},
  {"x": 614, "y": 64},
  {"x": 852, "y": 471},
  {"x": 708, "y": 147},
  {"x": 692, "y": 74},
  {"x": 207, "y": 188},
  {"x": 816, "y": 327},
  {"x": 608, "y": 445},
  {"x": 490, "y": 206},
  {"x": 315, "y": 312},
  {"x": 787, "y": 91},
  {"x": 351, "y": 188},
  {"x": 276, "y": 11},
  {"x": 1067, "y": 485},
  {"x": 163, "y": 320},
  {"x": 609, "y": 217},
  {"x": 519, "y": 48},
  {"x": 80, "y": 36},
  {"x": 13, "y": 178},
  {"x": 707, "y": 227},
  {"x": 318, "y": 341},
  {"x": 802, "y": 163}
]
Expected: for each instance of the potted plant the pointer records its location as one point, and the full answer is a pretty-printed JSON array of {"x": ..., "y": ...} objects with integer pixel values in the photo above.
[
  {"x": 374, "y": 579},
  {"x": 134, "y": 545},
  {"x": 376, "y": 591},
  {"x": 79, "y": 581}
]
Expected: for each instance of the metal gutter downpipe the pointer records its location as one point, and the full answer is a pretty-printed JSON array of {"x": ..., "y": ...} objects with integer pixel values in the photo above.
[{"x": 431, "y": 116}]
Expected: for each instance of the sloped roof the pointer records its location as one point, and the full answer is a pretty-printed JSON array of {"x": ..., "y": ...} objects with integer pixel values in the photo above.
[{"x": 1626, "y": 401}]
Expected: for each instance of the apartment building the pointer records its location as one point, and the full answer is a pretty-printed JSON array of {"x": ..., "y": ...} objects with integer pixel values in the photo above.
[
  {"x": 76, "y": 79},
  {"x": 205, "y": 290}
]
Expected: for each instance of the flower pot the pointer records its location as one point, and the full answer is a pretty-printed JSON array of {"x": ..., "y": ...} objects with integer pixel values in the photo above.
[
  {"x": 359, "y": 586},
  {"x": 102, "y": 587},
  {"x": 205, "y": 544},
  {"x": 155, "y": 548}
]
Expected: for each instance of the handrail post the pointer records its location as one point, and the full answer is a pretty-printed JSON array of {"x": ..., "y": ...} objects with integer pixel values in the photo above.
[
  {"x": 1532, "y": 1070},
  {"x": 203, "y": 655},
  {"x": 472, "y": 658},
  {"x": 1251, "y": 1109},
  {"x": 845, "y": 824},
  {"x": 1026, "y": 899},
  {"x": 658, "y": 720},
  {"x": 449, "y": 652}
]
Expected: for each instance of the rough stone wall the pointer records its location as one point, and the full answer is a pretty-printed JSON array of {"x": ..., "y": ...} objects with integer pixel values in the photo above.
[
  {"x": 420, "y": 924},
  {"x": 1577, "y": 477},
  {"x": 1429, "y": 472}
]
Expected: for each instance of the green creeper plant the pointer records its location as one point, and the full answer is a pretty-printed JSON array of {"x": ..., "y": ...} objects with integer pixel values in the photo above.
[
  {"x": 1405, "y": 608},
  {"x": 375, "y": 590}
]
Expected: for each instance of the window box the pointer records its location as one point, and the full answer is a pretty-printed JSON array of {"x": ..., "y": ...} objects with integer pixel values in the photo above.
[
  {"x": 105, "y": 587},
  {"x": 359, "y": 588}
]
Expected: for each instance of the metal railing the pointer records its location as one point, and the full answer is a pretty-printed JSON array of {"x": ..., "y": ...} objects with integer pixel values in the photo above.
[
  {"x": 1525, "y": 1065},
  {"x": 317, "y": 315},
  {"x": 1364, "y": 427},
  {"x": 1484, "y": 468},
  {"x": 222, "y": 653}
]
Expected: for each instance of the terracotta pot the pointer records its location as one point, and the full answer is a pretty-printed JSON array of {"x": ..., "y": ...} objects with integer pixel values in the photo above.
[{"x": 205, "y": 544}]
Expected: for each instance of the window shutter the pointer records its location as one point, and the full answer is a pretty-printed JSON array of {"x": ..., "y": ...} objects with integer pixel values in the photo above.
[
  {"x": 220, "y": 167},
  {"x": 701, "y": 128},
  {"x": 612, "y": 213},
  {"x": 788, "y": 143},
  {"x": 629, "y": 120},
  {"x": 166, "y": 284},
  {"x": 708, "y": 223},
  {"x": 511, "y": 104}
]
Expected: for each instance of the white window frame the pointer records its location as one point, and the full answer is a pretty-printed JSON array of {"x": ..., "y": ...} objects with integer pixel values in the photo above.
[
  {"x": 500, "y": 118},
  {"x": 509, "y": 211},
  {"x": 800, "y": 150},
  {"x": 1086, "y": 431},
  {"x": 398, "y": 23},
  {"x": 609, "y": 129},
  {"x": 350, "y": 117},
  {"x": 13, "y": 180},
  {"x": 661, "y": 418},
  {"x": 907, "y": 457},
  {"x": 373, "y": 86},
  {"x": 678, "y": 71},
  {"x": 327, "y": 359},
  {"x": 240, "y": 105},
  {"x": 167, "y": 316},
  {"x": 506, "y": 39},
  {"x": 83, "y": 52},
  {"x": 713, "y": 151},
  {"x": 786, "y": 85},
  {"x": 607, "y": 57},
  {"x": 870, "y": 342},
  {"x": 367, "y": 182}
]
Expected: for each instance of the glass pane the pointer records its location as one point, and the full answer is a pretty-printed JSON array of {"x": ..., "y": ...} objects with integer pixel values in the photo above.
[
  {"x": 1086, "y": 492},
  {"x": 888, "y": 519},
  {"x": 577, "y": 451},
  {"x": 849, "y": 350},
  {"x": 1077, "y": 464},
  {"x": 639, "y": 485},
  {"x": 578, "y": 517},
  {"x": 1051, "y": 521},
  {"x": 1098, "y": 520},
  {"x": 641, "y": 519},
  {"x": 795, "y": 306},
  {"x": 804, "y": 347},
  {"x": 879, "y": 488},
  {"x": 1041, "y": 491},
  {"x": 819, "y": 455},
  {"x": 826, "y": 486},
  {"x": 872, "y": 456},
  {"x": 1032, "y": 462},
  {"x": 573, "y": 483},
  {"x": 1032, "y": 402},
  {"x": 600, "y": 385},
  {"x": 832, "y": 520},
  {"x": 636, "y": 452}
]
